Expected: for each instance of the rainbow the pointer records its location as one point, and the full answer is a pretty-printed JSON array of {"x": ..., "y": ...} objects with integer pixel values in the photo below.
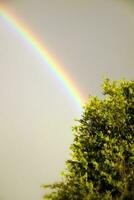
[{"x": 35, "y": 44}]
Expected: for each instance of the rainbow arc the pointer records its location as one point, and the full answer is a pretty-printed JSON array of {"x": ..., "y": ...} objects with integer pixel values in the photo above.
[{"x": 29, "y": 37}]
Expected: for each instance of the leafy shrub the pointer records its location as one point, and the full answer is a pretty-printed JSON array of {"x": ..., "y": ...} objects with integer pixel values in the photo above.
[{"x": 102, "y": 154}]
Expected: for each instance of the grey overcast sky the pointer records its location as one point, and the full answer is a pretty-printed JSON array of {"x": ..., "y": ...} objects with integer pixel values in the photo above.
[{"x": 90, "y": 39}]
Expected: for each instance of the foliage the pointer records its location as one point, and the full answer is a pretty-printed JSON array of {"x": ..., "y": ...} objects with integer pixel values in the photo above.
[{"x": 102, "y": 154}]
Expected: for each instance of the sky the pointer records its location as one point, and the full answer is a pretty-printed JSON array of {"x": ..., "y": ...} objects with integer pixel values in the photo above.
[{"x": 90, "y": 39}]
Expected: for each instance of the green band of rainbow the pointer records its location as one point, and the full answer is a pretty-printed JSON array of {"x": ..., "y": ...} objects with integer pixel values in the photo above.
[{"x": 36, "y": 44}]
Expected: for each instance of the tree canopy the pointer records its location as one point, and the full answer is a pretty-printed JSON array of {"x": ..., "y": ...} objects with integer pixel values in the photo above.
[{"x": 101, "y": 165}]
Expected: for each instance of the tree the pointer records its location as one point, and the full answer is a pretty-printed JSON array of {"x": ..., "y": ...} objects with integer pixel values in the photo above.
[{"x": 101, "y": 165}]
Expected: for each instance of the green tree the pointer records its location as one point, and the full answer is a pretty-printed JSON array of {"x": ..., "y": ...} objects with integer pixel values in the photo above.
[{"x": 101, "y": 165}]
